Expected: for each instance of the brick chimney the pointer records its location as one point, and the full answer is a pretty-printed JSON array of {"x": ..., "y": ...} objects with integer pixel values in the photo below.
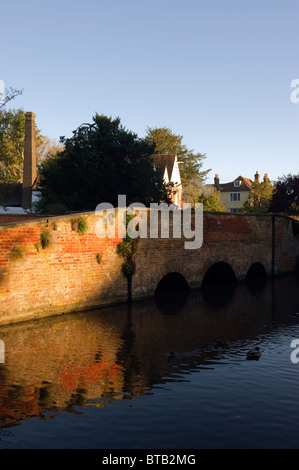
[
  {"x": 257, "y": 177},
  {"x": 266, "y": 177},
  {"x": 29, "y": 167},
  {"x": 216, "y": 182}
]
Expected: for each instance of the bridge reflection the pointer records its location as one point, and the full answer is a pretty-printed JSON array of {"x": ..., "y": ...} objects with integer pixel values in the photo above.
[{"x": 64, "y": 363}]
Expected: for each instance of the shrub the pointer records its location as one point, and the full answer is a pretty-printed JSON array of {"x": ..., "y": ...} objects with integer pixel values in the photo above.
[
  {"x": 128, "y": 268},
  {"x": 45, "y": 240},
  {"x": 126, "y": 249},
  {"x": 79, "y": 225}
]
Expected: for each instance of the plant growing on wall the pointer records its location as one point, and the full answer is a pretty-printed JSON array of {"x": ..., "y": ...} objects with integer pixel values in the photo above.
[
  {"x": 126, "y": 249},
  {"x": 37, "y": 246},
  {"x": 80, "y": 225},
  {"x": 45, "y": 240}
]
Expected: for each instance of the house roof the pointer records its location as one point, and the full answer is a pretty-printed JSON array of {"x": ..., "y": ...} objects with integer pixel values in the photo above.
[
  {"x": 246, "y": 184},
  {"x": 164, "y": 160}
]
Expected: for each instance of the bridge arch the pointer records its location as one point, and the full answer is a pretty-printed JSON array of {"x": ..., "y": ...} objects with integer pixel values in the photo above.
[
  {"x": 171, "y": 281},
  {"x": 256, "y": 271},
  {"x": 256, "y": 278},
  {"x": 219, "y": 273},
  {"x": 171, "y": 293},
  {"x": 218, "y": 284}
]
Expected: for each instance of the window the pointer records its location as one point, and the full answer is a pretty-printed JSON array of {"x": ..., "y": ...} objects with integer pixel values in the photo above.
[
  {"x": 235, "y": 197},
  {"x": 234, "y": 210},
  {"x": 237, "y": 184}
]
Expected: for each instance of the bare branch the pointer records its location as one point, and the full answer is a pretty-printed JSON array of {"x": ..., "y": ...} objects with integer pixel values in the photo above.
[{"x": 8, "y": 95}]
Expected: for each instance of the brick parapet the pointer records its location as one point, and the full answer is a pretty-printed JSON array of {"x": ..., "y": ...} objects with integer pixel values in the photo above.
[{"x": 66, "y": 276}]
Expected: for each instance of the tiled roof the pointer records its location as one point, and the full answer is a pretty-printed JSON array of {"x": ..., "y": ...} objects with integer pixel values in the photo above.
[
  {"x": 162, "y": 160},
  {"x": 246, "y": 184}
]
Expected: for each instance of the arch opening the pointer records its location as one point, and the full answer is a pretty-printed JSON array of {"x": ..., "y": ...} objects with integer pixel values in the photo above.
[
  {"x": 256, "y": 271},
  {"x": 171, "y": 293},
  {"x": 256, "y": 278},
  {"x": 218, "y": 285},
  {"x": 219, "y": 273}
]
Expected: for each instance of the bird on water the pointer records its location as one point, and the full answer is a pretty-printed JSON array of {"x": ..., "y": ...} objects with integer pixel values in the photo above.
[{"x": 254, "y": 354}]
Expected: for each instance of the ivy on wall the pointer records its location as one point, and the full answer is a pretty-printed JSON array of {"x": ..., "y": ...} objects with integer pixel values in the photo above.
[{"x": 126, "y": 249}]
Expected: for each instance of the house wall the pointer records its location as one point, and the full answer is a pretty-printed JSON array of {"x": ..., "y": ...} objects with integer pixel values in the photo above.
[
  {"x": 224, "y": 197},
  {"x": 176, "y": 178}
]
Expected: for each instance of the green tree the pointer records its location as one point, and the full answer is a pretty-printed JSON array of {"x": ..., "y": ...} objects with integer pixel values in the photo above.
[
  {"x": 196, "y": 192},
  {"x": 12, "y": 140},
  {"x": 12, "y": 133},
  {"x": 260, "y": 196},
  {"x": 99, "y": 162},
  {"x": 166, "y": 141},
  {"x": 286, "y": 195},
  {"x": 211, "y": 202}
]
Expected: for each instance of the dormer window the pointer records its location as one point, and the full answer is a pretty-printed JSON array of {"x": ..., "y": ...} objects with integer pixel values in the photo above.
[{"x": 237, "y": 184}]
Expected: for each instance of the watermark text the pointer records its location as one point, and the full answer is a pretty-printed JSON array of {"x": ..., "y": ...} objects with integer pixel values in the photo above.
[
  {"x": 295, "y": 93},
  {"x": 154, "y": 222},
  {"x": 2, "y": 352},
  {"x": 295, "y": 353}
]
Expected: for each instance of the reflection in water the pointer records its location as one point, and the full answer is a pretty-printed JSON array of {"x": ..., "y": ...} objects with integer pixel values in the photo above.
[
  {"x": 95, "y": 358},
  {"x": 126, "y": 357},
  {"x": 257, "y": 285},
  {"x": 218, "y": 294}
]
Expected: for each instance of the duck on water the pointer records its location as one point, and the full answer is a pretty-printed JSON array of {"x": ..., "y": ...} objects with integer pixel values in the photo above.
[{"x": 254, "y": 354}]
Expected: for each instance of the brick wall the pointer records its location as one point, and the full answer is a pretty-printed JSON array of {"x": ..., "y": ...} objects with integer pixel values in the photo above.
[
  {"x": 62, "y": 277},
  {"x": 66, "y": 276}
]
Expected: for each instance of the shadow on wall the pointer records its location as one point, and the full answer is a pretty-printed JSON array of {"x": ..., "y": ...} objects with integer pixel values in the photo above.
[{"x": 3, "y": 272}]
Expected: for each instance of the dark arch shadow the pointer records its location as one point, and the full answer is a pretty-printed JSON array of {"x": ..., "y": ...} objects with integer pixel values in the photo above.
[
  {"x": 171, "y": 293},
  {"x": 256, "y": 278},
  {"x": 218, "y": 285}
]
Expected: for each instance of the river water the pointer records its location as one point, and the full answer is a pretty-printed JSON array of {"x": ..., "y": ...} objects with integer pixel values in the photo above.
[{"x": 159, "y": 374}]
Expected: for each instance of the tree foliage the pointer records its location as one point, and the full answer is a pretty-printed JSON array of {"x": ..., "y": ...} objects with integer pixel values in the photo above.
[
  {"x": 196, "y": 192},
  {"x": 286, "y": 195},
  {"x": 260, "y": 196},
  {"x": 211, "y": 202},
  {"x": 99, "y": 162},
  {"x": 166, "y": 141},
  {"x": 12, "y": 140},
  {"x": 12, "y": 133}
]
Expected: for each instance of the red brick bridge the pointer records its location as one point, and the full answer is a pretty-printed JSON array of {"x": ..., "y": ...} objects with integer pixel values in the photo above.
[{"x": 47, "y": 267}]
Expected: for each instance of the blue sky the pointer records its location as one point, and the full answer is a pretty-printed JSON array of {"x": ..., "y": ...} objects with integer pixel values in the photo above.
[{"x": 216, "y": 72}]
